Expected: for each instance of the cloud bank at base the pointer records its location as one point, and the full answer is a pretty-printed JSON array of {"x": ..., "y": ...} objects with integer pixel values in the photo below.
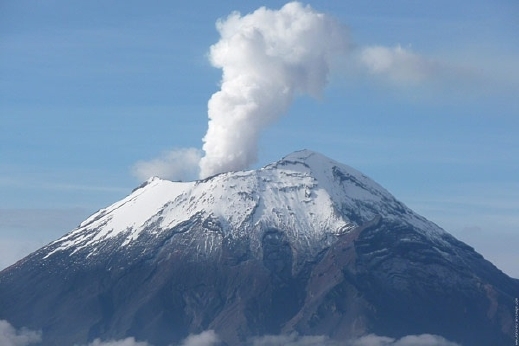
[
  {"x": 206, "y": 338},
  {"x": 210, "y": 338},
  {"x": 409, "y": 340},
  {"x": 9, "y": 336},
  {"x": 369, "y": 340},
  {"x": 124, "y": 342}
]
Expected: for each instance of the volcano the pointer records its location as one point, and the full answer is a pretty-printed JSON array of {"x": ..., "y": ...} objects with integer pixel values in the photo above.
[{"x": 305, "y": 245}]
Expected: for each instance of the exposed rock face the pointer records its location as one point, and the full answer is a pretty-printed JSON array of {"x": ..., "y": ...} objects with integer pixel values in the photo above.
[{"x": 305, "y": 244}]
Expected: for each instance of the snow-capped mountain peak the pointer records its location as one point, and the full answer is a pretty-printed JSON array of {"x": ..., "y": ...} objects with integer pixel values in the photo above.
[
  {"x": 310, "y": 196},
  {"x": 303, "y": 244}
]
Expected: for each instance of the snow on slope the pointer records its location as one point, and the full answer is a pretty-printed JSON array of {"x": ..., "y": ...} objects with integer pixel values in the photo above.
[{"x": 305, "y": 194}]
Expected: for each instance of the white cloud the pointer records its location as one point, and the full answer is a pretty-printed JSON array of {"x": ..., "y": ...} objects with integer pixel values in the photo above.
[
  {"x": 9, "y": 336},
  {"x": 206, "y": 338},
  {"x": 398, "y": 65},
  {"x": 372, "y": 340},
  {"x": 177, "y": 164},
  {"x": 293, "y": 339},
  {"x": 409, "y": 340},
  {"x": 124, "y": 342},
  {"x": 424, "y": 340}
]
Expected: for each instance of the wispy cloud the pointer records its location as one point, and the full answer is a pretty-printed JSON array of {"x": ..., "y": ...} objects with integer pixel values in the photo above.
[
  {"x": 10, "y": 336},
  {"x": 177, "y": 164},
  {"x": 409, "y": 340},
  {"x": 400, "y": 68},
  {"x": 398, "y": 65}
]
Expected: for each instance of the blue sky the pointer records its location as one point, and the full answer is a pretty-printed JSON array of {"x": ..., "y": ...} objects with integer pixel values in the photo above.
[{"x": 89, "y": 89}]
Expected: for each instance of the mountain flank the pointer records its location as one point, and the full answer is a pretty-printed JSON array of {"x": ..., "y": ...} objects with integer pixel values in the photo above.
[{"x": 305, "y": 244}]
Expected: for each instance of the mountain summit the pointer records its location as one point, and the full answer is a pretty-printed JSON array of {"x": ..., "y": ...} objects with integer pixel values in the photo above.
[
  {"x": 310, "y": 197},
  {"x": 304, "y": 244}
]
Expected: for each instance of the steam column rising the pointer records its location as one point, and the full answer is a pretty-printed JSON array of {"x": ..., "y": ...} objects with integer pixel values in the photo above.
[{"x": 267, "y": 57}]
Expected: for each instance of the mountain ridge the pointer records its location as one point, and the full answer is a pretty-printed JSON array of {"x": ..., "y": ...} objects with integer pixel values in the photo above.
[{"x": 304, "y": 245}]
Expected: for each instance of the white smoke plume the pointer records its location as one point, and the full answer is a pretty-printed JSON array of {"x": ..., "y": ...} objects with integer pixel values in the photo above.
[
  {"x": 9, "y": 336},
  {"x": 267, "y": 57}
]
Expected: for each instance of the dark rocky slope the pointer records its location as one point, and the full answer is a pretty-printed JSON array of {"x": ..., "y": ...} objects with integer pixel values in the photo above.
[{"x": 385, "y": 275}]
